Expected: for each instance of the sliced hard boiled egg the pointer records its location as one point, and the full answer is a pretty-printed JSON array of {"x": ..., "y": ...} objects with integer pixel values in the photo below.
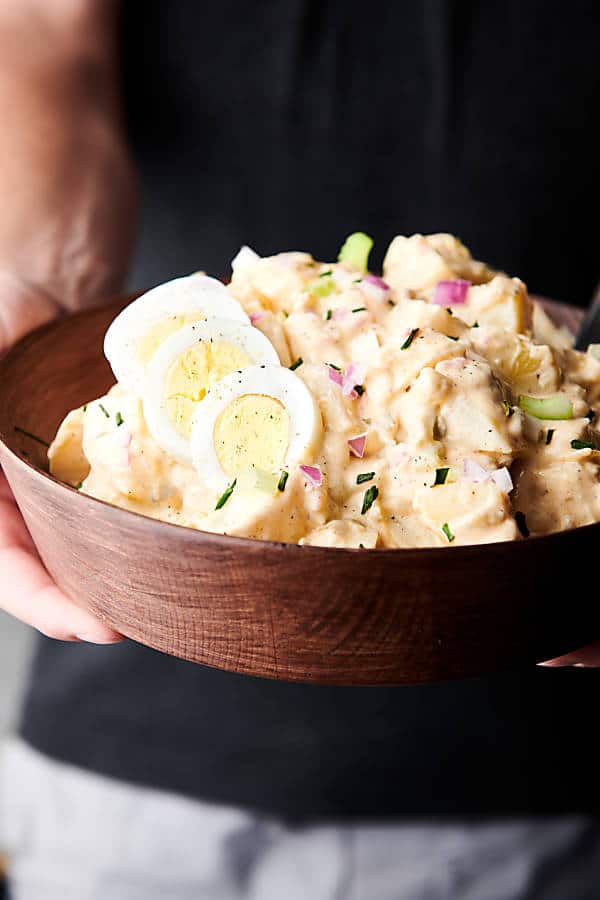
[
  {"x": 186, "y": 365},
  {"x": 260, "y": 418},
  {"x": 138, "y": 331}
]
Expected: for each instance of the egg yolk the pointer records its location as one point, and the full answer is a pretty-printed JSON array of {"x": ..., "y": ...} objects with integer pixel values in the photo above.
[
  {"x": 253, "y": 431},
  {"x": 193, "y": 373},
  {"x": 154, "y": 337}
]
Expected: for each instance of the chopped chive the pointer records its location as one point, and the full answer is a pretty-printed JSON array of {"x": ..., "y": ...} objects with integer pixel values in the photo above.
[
  {"x": 549, "y": 435},
  {"x": 329, "y": 315},
  {"x": 79, "y": 486},
  {"x": 475, "y": 325},
  {"x": 119, "y": 419},
  {"x": 325, "y": 274},
  {"x": 296, "y": 365},
  {"x": 364, "y": 476},
  {"x": 104, "y": 411},
  {"x": 282, "y": 481},
  {"x": 333, "y": 366},
  {"x": 357, "y": 281},
  {"x": 447, "y": 532},
  {"x": 409, "y": 339},
  {"x": 371, "y": 494},
  {"x": 450, "y": 338},
  {"x": 582, "y": 445},
  {"x": 440, "y": 476},
  {"x": 226, "y": 495},
  {"x": 360, "y": 309},
  {"x": 85, "y": 407},
  {"x": 33, "y": 437},
  {"x": 391, "y": 303},
  {"x": 360, "y": 389},
  {"x": 449, "y": 311},
  {"x": 522, "y": 524}
]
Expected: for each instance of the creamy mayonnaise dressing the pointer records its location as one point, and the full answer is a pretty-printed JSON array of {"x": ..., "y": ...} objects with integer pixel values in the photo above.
[{"x": 437, "y": 401}]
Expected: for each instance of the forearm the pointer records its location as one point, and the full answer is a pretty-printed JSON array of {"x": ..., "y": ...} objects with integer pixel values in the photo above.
[
  {"x": 66, "y": 221},
  {"x": 65, "y": 178}
]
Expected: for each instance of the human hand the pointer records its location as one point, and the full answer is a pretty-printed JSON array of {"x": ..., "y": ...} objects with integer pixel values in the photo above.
[
  {"x": 66, "y": 228},
  {"x": 587, "y": 657},
  {"x": 27, "y": 590}
]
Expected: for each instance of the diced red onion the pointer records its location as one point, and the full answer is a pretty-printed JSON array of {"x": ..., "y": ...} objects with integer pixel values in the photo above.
[
  {"x": 472, "y": 471},
  {"x": 357, "y": 445},
  {"x": 475, "y": 473},
  {"x": 354, "y": 375},
  {"x": 451, "y": 293},
  {"x": 356, "y": 371},
  {"x": 256, "y": 317},
  {"x": 314, "y": 475},
  {"x": 375, "y": 287},
  {"x": 502, "y": 479},
  {"x": 335, "y": 376},
  {"x": 340, "y": 313}
]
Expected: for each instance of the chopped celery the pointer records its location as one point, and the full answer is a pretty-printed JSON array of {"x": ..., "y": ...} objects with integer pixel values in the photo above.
[
  {"x": 555, "y": 407},
  {"x": 268, "y": 482},
  {"x": 321, "y": 286},
  {"x": 355, "y": 250},
  {"x": 255, "y": 479}
]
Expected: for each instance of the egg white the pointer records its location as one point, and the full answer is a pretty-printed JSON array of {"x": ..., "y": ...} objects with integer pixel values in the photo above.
[
  {"x": 306, "y": 427},
  {"x": 248, "y": 339},
  {"x": 181, "y": 296}
]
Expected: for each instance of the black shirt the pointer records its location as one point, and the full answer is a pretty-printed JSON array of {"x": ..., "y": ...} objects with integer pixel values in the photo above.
[{"x": 287, "y": 125}]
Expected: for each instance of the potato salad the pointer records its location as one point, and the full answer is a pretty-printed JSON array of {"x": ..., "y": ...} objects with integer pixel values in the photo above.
[{"x": 318, "y": 403}]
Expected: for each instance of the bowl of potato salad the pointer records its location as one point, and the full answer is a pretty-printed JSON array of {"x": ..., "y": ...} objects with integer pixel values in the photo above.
[{"x": 316, "y": 472}]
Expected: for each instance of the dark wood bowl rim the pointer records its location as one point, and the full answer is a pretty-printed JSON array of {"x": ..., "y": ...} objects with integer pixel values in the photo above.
[{"x": 187, "y": 533}]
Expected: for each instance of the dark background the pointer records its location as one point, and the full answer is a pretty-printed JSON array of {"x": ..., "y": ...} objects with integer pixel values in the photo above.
[{"x": 287, "y": 125}]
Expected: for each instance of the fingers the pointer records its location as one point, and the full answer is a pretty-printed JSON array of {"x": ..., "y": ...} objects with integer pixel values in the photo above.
[
  {"x": 26, "y": 589},
  {"x": 588, "y": 657},
  {"x": 28, "y": 593}
]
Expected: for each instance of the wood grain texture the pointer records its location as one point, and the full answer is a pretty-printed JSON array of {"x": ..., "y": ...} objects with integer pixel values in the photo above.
[{"x": 269, "y": 609}]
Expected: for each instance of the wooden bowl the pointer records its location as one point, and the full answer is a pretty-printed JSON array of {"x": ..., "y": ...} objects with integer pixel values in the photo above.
[{"x": 269, "y": 609}]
